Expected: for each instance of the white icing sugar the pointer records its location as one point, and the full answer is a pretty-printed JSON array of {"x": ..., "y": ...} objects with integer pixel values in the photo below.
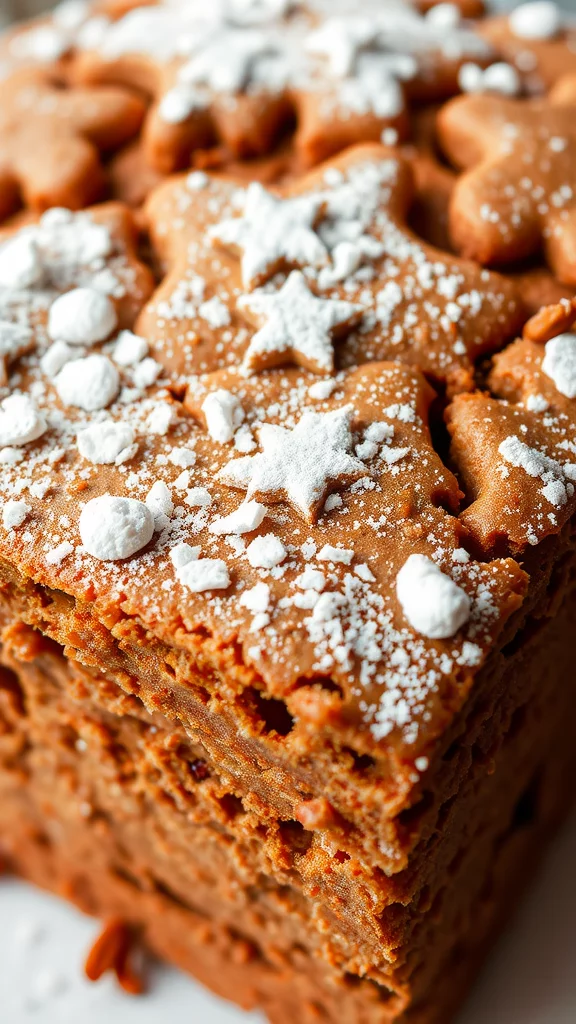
[
  {"x": 297, "y": 324},
  {"x": 311, "y": 579},
  {"x": 215, "y": 312},
  {"x": 180, "y": 102},
  {"x": 498, "y": 78},
  {"x": 15, "y": 340},
  {"x": 557, "y": 488},
  {"x": 183, "y": 553},
  {"x": 204, "y": 574},
  {"x": 433, "y": 604},
  {"x": 67, "y": 241},
  {"x": 539, "y": 19},
  {"x": 14, "y": 513},
  {"x": 129, "y": 349},
  {"x": 56, "y": 357},
  {"x": 302, "y": 463},
  {"x": 559, "y": 363},
  {"x": 444, "y": 16},
  {"x": 55, "y": 556},
  {"x": 537, "y": 403},
  {"x": 114, "y": 528},
  {"x": 375, "y": 89},
  {"x": 223, "y": 413},
  {"x": 256, "y": 12},
  {"x": 20, "y": 421},
  {"x": 329, "y": 553},
  {"x": 146, "y": 373},
  {"x": 257, "y": 599},
  {"x": 199, "y": 497},
  {"x": 90, "y": 384},
  {"x": 20, "y": 262},
  {"x": 244, "y": 519},
  {"x": 272, "y": 232},
  {"x": 266, "y": 552},
  {"x": 106, "y": 443},
  {"x": 228, "y": 59},
  {"x": 82, "y": 316},
  {"x": 322, "y": 389},
  {"x": 159, "y": 501},
  {"x": 341, "y": 40},
  {"x": 182, "y": 457}
]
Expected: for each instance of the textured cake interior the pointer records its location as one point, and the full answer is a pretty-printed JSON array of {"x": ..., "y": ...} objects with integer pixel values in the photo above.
[{"x": 114, "y": 787}]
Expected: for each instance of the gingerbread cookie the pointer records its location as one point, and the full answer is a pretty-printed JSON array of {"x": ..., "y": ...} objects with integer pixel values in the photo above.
[
  {"x": 239, "y": 76},
  {"x": 517, "y": 193},
  {"x": 538, "y": 38},
  {"x": 52, "y": 139},
  {"x": 242, "y": 262},
  {"x": 517, "y": 458}
]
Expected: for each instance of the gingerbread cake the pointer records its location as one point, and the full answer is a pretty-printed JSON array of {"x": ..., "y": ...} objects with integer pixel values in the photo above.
[{"x": 287, "y": 476}]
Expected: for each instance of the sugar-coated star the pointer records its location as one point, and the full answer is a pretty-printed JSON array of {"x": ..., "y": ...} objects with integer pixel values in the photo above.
[
  {"x": 226, "y": 61},
  {"x": 272, "y": 234},
  {"x": 297, "y": 326},
  {"x": 302, "y": 465}
]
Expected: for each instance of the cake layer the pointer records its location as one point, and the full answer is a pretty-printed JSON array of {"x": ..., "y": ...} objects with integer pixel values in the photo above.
[
  {"x": 283, "y": 769},
  {"x": 54, "y": 838},
  {"x": 135, "y": 787}
]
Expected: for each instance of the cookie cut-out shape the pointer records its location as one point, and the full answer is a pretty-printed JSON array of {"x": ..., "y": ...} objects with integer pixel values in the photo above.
[
  {"x": 346, "y": 232},
  {"x": 517, "y": 458},
  {"x": 218, "y": 78},
  {"x": 296, "y": 324},
  {"x": 52, "y": 139},
  {"x": 272, "y": 233},
  {"x": 302, "y": 465},
  {"x": 518, "y": 192}
]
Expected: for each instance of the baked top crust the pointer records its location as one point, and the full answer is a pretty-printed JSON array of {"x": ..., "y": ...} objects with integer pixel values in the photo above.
[{"x": 287, "y": 515}]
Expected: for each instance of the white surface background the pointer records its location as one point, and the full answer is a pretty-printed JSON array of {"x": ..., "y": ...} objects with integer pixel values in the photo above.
[{"x": 531, "y": 978}]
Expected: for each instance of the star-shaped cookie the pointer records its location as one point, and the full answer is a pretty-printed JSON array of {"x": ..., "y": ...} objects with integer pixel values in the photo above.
[
  {"x": 298, "y": 325},
  {"x": 344, "y": 228}
]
